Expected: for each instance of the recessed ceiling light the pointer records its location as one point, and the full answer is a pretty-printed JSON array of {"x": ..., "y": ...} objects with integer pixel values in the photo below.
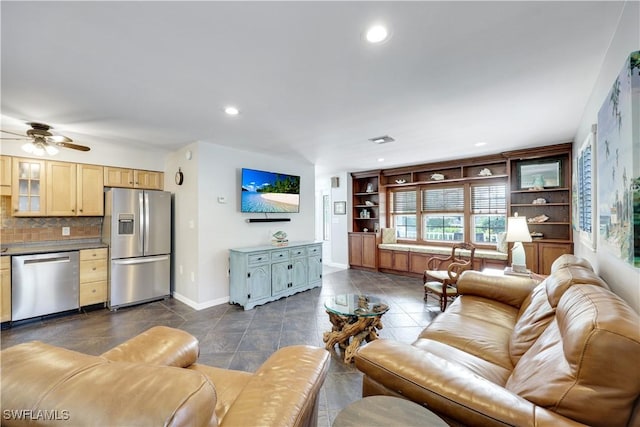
[
  {"x": 232, "y": 111},
  {"x": 480, "y": 144},
  {"x": 381, "y": 139},
  {"x": 381, "y": 159},
  {"x": 377, "y": 34}
]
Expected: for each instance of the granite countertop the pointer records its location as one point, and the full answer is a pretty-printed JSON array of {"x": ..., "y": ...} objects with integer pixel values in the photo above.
[{"x": 51, "y": 246}]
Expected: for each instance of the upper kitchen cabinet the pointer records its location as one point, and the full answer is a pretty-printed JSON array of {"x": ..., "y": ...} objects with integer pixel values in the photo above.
[
  {"x": 5, "y": 176},
  {"x": 28, "y": 187},
  {"x": 74, "y": 189},
  {"x": 90, "y": 188},
  {"x": 148, "y": 180},
  {"x": 130, "y": 178}
]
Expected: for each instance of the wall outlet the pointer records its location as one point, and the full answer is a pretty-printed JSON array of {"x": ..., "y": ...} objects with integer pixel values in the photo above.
[{"x": 66, "y": 231}]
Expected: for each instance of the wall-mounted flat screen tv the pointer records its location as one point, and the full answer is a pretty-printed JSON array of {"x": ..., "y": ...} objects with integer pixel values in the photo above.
[{"x": 266, "y": 192}]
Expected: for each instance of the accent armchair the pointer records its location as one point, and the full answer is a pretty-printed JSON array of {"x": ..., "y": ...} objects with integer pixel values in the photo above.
[{"x": 442, "y": 274}]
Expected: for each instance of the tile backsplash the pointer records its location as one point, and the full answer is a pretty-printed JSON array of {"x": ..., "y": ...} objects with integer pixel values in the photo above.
[{"x": 40, "y": 229}]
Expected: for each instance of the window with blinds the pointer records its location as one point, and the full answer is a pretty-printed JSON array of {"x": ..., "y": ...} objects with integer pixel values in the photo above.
[
  {"x": 403, "y": 214},
  {"x": 488, "y": 212},
  {"x": 584, "y": 189},
  {"x": 443, "y": 214}
]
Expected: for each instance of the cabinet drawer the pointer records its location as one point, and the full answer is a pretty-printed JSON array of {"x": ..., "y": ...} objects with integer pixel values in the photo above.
[
  {"x": 93, "y": 293},
  {"x": 93, "y": 270},
  {"x": 89, "y": 254},
  {"x": 298, "y": 252},
  {"x": 315, "y": 250},
  {"x": 259, "y": 258},
  {"x": 280, "y": 255},
  {"x": 5, "y": 262}
]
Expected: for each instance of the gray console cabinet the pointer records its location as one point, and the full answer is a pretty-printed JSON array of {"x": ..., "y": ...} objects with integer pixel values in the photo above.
[{"x": 261, "y": 274}]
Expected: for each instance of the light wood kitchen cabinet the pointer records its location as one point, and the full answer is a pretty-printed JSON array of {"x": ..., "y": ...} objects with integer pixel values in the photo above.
[
  {"x": 93, "y": 276},
  {"x": 61, "y": 188},
  {"x": 148, "y": 180},
  {"x": 74, "y": 189},
  {"x": 90, "y": 190},
  {"x": 28, "y": 187},
  {"x": 363, "y": 250},
  {"x": 5, "y": 288},
  {"x": 5, "y": 176},
  {"x": 133, "y": 178}
]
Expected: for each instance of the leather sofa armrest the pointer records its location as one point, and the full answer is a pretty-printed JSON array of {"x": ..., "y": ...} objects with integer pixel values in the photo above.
[
  {"x": 448, "y": 389},
  {"x": 283, "y": 391},
  {"x": 159, "y": 345},
  {"x": 511, "y": 290}
]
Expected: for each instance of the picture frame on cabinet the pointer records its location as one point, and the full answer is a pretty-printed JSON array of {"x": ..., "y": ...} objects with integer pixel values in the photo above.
[
  {"x": 339, "y": 208},
  {"x": 539, "y": 174}
]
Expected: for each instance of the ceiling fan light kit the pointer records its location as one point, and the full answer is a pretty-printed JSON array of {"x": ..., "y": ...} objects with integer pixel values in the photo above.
[{"x": 42, "y": 142}]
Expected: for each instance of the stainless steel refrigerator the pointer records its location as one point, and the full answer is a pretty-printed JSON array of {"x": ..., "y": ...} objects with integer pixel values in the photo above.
[{"x": 137, "y": 228}]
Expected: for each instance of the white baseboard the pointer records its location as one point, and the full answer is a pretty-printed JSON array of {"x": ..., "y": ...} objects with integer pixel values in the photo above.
[
  {"x": 337, "y": 265},
  {"x": 199, "y": 305}
]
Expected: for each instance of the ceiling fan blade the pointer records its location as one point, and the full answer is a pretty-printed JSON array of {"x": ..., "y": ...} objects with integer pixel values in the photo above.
[
  {"x": 14, "y": 139},
  {"x": 13, "y": 133},
  {"x": 73, "y": 146}
]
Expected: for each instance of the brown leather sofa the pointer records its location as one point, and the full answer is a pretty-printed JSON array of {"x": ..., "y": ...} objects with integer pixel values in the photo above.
[
  {"x": 154, "y": 380},
  {"x": 510, "y": 352}
]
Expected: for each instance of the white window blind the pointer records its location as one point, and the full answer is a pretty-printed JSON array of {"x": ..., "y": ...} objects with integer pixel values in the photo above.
[
  {"x": 489, "y": 199},
  {"x": 585, "y": 189},
  {"x": 404, "y": 201},
  {"x": 450, "y": 199}
]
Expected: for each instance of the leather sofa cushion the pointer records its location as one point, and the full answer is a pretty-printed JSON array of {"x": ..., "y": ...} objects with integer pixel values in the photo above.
[
  {"x": 559, "y": 281},
  {"x": 534, "y": 317},
  {"x": 159, "y": 345},
  {"x": 92, "y": 391},
  {"x": 584, "y": 365},
  {"x": 567, "y": 260},
  {"x": 487, "y": 338}
]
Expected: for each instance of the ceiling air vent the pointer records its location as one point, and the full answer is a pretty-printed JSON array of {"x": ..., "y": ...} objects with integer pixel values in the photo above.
[{"x": 381, "y": 139}]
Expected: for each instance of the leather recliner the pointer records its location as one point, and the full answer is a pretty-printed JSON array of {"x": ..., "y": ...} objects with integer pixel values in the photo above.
[
  {"x": 508, "y": 351},
  {"x": 153, "y": 380}
]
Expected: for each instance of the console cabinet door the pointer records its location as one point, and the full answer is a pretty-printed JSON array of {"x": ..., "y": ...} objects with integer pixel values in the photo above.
[
  {"x": 259, "y": 282},
  {"x": 279, "y": 277},
  {"x": 298, "y": 272},
  {"x": 315, "y": 269}
]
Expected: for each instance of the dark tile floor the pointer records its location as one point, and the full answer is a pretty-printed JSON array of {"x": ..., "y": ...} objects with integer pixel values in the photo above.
[{"x": 233, "y": 338}]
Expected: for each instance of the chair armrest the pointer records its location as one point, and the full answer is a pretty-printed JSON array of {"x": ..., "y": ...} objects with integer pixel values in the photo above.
[
  {"x": 159, "y": 345},
  {"x": 509, "y": 290},
  {"x": 283, "y": 391},
  {"x": 456, "y": 268},
  {"x": 449, "y": 389}
]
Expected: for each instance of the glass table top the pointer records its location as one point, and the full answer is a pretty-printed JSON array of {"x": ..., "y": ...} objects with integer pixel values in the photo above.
[{"x": 355, "y": 305}]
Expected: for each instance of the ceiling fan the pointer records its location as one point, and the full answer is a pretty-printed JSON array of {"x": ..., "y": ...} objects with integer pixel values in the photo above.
[{"x": 42, "y": 142}]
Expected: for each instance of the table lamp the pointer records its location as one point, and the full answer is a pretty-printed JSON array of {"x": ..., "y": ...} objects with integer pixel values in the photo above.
[{"x": 518, "y": 232}]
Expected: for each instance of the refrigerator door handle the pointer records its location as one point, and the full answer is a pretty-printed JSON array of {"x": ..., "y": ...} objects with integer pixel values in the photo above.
[
  {"x": 143, "y": 260},
  {"x": 146, "y": 222},
  {"x": 141, "y": 222}
]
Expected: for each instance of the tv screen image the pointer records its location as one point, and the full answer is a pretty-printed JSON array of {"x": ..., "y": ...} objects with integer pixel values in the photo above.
[{"x": 266, "y": 192}]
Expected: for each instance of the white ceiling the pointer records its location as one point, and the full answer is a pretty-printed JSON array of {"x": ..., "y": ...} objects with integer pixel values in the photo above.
[{"x": 511, "y": 74}]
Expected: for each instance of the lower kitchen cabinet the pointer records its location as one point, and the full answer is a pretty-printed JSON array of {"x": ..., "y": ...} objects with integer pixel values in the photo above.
[
  {"x": 261, "y": 274},
  {"x": 540, "y": 255},
  {"x": 93, "y": 276},
  {"x": 363, "y": 250},
  {"x": 5, "y": 289}
]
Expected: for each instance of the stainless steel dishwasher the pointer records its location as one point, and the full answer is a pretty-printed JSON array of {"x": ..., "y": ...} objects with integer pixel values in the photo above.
[{"x": 44, "y": 284}]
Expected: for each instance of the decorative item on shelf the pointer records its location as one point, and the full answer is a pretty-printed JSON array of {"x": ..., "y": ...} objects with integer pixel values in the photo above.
[
  {"x": 518, "y": 232},
  {"x": 538, "y": 183},
  {"x": 369, "y": 203},
  {"x": 365, "y": 214},
  {"x": 400, "y": 181},
  {"x": 536, "y": 235},
  {"x": 437, "y": 177},
  {"x": 369, "y": 188},
  {"x": 279, "y": 238},
  {"x": 538, "y": 219},
  {"x": 365, "y": 229},
  {"x": 485, "y": 172},
  {"x": 376, "y": 227},
  {"x": 539, "y": 201}
]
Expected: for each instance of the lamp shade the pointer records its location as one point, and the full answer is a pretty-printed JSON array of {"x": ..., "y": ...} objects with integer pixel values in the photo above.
[{"x": 517, "y": 229}]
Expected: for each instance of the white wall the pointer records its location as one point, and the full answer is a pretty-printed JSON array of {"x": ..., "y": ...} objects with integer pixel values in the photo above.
[
  {"x": 208, "y": 221},
  {"x": 335, "y": 250},
  {"x": 621, "y": 276}
]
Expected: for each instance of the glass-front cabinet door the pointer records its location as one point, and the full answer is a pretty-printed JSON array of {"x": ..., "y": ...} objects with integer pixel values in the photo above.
[{"x": 29, "y": 186}]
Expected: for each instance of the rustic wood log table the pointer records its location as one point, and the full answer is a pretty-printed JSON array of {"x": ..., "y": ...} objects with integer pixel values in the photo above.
[{"x": 355, "y": 318}]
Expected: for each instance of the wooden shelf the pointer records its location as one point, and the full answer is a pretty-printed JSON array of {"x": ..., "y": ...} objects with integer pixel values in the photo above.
[
  {"x": 538, "y": 204},
  {"x": 541, "y": 191}
]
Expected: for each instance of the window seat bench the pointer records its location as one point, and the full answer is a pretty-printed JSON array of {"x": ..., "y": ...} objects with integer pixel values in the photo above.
[{"x": 408, "y": 259}]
